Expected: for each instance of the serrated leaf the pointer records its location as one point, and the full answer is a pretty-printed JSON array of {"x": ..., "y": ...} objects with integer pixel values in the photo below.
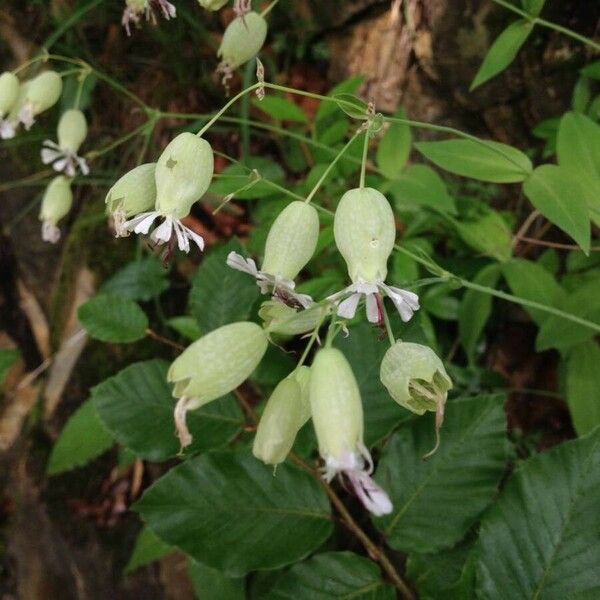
[
  {"x": 228, "y": 511},
  {"x": 503, "y": 51},
  {"x": 8, "y": 357},
  {"x": 559, "y": 195},
  {"x": 210, "y": 584},
  {"x": 438, "y": 500},
  {"x": 136, "y": 406},
  {"x": 139, "y": 280},
  {"x": 221, "y": 295},
  {"x": 353, "y": 106},
  {"x": 475, "y": 309},
  {"x": 540, "y": 539},
  {"x": 531, "y": 281},
  {"x": 557, "y": 332},
  {"x": 148, "y": 548},
  {"x": 364, "y": 350},
  {"x": 113, "y": 319},
  {"x": 281, "y": 109},
  {"x": 583, "y": 386},
  {"x": 332, "y": 575},
  {"x": 394, "y": 148},
  {"x": 484, "y": 160},
  {"x": 420, "y": 185},
  {"x": 82, "y": 439}
]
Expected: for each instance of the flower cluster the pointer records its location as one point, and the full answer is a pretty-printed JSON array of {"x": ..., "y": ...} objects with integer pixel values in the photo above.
[{"x": 135, "y": 10}]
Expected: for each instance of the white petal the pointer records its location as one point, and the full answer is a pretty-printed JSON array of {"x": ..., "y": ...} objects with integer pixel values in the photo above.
[
  {"x": 49, "y": 156},
  {"x": 50, "y": 232},
  {"x": 142, "y": 223},
  {"x": 372, "y": 309},
  {"x": 7, "y": 129},
  {"x": 62, "y": 164},
  {"x": 163, "y": 232},
  {"x": 406, "y": 302},
  {"x": 83, "y": 166},
  {"x": 373, "y": 497},
  {"x": 238, "y": 262},
  {"x": 347, "y": 308}
]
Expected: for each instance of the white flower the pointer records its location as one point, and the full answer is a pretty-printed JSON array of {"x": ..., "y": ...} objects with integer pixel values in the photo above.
[
  {"x": 62, "y": 160},
  {"x": 406, "y": 302},
  {"x": 27, "y": 115},
  {"x": 7, "y": 129},
  {"x": 167, "y": 230},
  {"x": 136, "y": 8},
  {"x": 281, "y": 289}
]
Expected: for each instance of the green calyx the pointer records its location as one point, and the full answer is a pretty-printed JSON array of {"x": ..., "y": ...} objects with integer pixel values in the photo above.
[
  {"x": 9, "y": 92},
  {"x": 134, "y": 192},
  {"x": 242, "y": 40},
  {"x": 72, "y": 130},
  {"x": 57, "y": 200}
]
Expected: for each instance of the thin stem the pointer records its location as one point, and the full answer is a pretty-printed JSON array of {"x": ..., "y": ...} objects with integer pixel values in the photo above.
[
  {"x": 82, "y": 77},
  {"x": 388, "y": 325},
  {"x": 329, "y": 167},
  {"x": 311, "y": 341},
  {"x": 363, "y": 164},
  {"x": 269, "y": 8},
  {"x": 549, "y": 25},
  {"x": 68, "y": 23},
  {"x": 163, "y": 340},
  {"x": 95, "y": 153}
]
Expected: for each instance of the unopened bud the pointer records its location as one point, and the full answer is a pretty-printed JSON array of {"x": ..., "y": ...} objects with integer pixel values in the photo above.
[
  {"x": 134, "y": 192},
  {"x": 37, "y": 95},
  {"x": 287, "y": 410},
  {"x": 9, "y": 92},
  {"x": 242, "y": 40},
  {"x": 56, "y": 203},
  {"x": 184, "y": 171},
  {"x": 365, "y": 233},
  {"x": 285, "y": 320},
  {"x": 212, "y": 4},
  {"x": 292, "y": 240},
  {"x": 213, "y": 366},
  {"x": 72, "y": 130}
]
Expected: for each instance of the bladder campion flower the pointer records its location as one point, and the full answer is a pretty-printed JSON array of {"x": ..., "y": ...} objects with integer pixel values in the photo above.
[
  {"x": 337, "y": 415},
  {"x": 365, "y": 233},
  {"x": 286, "y": 411},
  {"x": 136, "y": 9},
  {"x": 71, "y": 132},
  {"x": 9, "y": 92},
  {"x": 213, "y": 366},
  {"x": 132, "y": 194},
  {"x": 291, "y": 243},
  {"x": 56, "y": 203},
  {"x": 35, "y": 96},
  {"x": 183, "y": 173}
]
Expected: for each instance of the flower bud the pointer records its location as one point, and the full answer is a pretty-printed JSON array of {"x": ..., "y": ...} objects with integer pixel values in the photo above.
[
  {"x": 9, "y": 92},
  {"x": 133, "y": 193},
  {"x": 212, "y": 4},
  {"x": 292, "y": 240},
  {"x": 242, "y": 40},
  {"x": 285, "y": 320},
  {"x": 415, "y": 377},
  {"x": 183, "y": 173},
  {"x": 213, "y": 366},
  {"x": 287, "y": 410},
  {"x": 336, "y": 409},
  {"x": 37, "y": 95},
  {"x": 56, "y": 203},
  {"x": 365, "y": 233},
  {"x": 72, "y": 130}
]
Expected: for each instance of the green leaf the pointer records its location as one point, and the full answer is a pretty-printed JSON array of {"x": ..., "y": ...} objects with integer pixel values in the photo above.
[
  {"x": 489, "y": 234},
  {"x": 136, "y": 406},
  {"x": 533, "y": 7},
  {"x": 503, "y": 51},
  {"x": 221, "y": 295},
  {"x": 210, "y": 584},
  {"x": 531, "y": 281},
  {"x": 332, "y": 575},
  {"x": 148, "y": 548},
  {"x": 578, "y": 150},
  {"x": 364, "y": 350},
  {"x": 475, "y": 309},
  {"x": 354, "y": 107},
  {"x": 185, "y": 326},
  {"x": 444, "y": 576},
  {"x": 438, "y": 500},
  {"x": 8, "y": 357},
  {"x": 281, "y": 109},
  {"x": 540, "y": 539},
  {"x": 350, "y": 86},
  {"x": 420, "y": 185},
  {"x": 113, "y": 319},
  {"x": 394, "y": 148},
  {"x": 583, "y": 385},
  {"x": 592, "y": 70},
  {"x": 82, "y": 439},
  {"x": 439, "y": 302},
  {"x": 483, "y": 160},
  {"x": 559, "y": 195},
  {"x": 556, "y": 332},
  {"x": 139, "y": 280},
  {"x": 228, "y": 511}
]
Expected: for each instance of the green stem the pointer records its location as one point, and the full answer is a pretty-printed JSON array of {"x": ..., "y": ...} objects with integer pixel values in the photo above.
[
  {"x": 269, "y": 8},
  {"x": 388, "y": 325},
  {"x": 82, "y": 77},
  {"x": 363, "y": 164},
  {"x": 330, "y": 167},
  {"x": 311, "y": 342},
  {"x": 68, "y": 23},
  {"x": 548, "y": 24},
  {"x": 96, "y": 153}
]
